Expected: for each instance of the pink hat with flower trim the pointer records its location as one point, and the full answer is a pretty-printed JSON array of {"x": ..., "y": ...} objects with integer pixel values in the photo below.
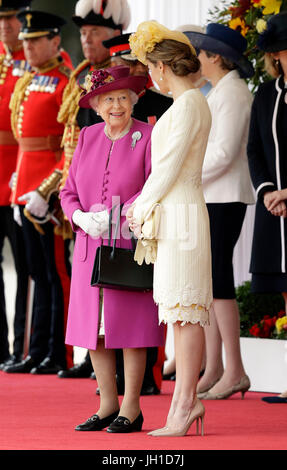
[{"x": 113, "y": 78}]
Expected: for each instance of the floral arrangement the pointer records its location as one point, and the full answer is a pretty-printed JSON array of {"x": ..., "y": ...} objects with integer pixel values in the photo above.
[
  {"x": 271, "y": 327},
  {"x": 249, "y": 17},
  {"x": 261, "y": 315}
]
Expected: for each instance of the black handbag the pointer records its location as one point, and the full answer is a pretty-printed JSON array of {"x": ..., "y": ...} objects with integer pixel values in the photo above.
[{"x": 115, "y": 268}]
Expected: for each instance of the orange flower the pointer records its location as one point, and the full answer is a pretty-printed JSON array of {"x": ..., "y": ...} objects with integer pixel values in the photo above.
[{"x": 239, "y": 25}]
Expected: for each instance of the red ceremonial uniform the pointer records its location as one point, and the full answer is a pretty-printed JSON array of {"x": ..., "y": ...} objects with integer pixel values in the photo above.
[
  {"x": 10, "y": 70},
  {"x": 35, "y": 105},
  {"x": 37, "y": 118}
]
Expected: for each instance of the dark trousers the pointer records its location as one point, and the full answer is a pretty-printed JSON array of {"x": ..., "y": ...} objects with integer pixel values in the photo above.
[
  {"x": 47, "y": 333},
  {"x": 150, "y": 378},
  {"x": 10, "y": 229}
]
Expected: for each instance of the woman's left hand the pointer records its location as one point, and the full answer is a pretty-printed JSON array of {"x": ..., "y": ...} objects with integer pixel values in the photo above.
[
  {"x": 272, "y": 199},
  {"x": 280, "y": 209}
]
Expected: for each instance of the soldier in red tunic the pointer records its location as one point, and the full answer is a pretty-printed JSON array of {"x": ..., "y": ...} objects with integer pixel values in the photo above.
[
  {"x": 34, "y": 107},
  {"x": 12, "y": 66}
]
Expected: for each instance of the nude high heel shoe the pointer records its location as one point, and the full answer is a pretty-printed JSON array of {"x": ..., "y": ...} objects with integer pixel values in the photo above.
[
  {"x": 242, "y": 386},
  {"x": 197, "y": 413}
]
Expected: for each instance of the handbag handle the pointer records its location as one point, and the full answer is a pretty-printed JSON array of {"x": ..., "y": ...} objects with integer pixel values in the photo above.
[{"x": 116, "y": 230}]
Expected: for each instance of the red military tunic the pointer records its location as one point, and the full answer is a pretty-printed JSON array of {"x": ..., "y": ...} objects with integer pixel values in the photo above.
[
  {"x": 35, "y": 107},
  {"x": 12, "y": 66}
]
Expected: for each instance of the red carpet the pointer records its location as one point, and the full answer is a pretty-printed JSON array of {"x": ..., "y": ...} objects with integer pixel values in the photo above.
[{"x": 40, "y": 413}]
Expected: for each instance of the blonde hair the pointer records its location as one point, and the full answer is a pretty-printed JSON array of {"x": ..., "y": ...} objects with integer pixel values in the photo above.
[{"x": 176, "y": 55}]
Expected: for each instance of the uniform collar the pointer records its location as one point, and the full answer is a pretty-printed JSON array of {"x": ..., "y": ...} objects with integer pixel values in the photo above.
[{"x": 51, "y": 64}]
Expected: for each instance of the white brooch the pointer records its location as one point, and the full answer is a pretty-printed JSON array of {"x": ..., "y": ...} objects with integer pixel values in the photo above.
[{"x": 136, "y": 136}]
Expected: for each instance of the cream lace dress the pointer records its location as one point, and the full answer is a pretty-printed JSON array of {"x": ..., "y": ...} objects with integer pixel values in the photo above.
[{"x": 182, "y": 270}]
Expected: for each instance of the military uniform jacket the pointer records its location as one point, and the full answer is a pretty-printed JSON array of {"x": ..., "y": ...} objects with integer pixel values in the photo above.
[
  {"x": 267, "y": 156},
  {"x": 35, "y": 105},
  {"x": 12, "y": 66},
  {"x": 151, "y": 106}
]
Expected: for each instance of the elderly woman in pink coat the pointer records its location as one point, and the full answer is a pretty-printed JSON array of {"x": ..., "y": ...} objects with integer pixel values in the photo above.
[{"x": 111, "y": 164}]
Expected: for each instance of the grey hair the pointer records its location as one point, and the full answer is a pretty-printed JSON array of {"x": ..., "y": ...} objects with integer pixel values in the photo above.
[{"x": 134, "y": 97}]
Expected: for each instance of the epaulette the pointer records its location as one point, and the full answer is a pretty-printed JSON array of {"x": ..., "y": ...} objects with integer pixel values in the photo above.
[
  {"x": 71, "y": 95},
  {"x": 65, "y": 70}
]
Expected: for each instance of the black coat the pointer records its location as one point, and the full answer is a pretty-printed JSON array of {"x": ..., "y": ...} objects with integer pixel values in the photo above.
[
  {"x": 267, "y": 158},
  {"x": 151, "y": 104}
]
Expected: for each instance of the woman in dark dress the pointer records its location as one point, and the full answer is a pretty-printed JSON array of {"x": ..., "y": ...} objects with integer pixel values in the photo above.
[{"x": 267, "y": 155}]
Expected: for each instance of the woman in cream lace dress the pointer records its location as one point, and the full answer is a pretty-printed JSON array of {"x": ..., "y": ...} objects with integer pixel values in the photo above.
[{"x": 182, "y": 269}]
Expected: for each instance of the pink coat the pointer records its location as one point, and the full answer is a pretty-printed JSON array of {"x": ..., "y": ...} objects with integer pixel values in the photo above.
[{"x": 97, "y": 175}]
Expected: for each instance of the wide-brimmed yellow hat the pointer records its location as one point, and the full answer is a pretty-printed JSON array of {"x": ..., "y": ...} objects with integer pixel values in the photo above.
[{"x": 150, "y": 33}]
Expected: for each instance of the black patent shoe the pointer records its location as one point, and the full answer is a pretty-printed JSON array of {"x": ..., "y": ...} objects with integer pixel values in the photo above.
[
  {"x": 122, "y": 424},
  {"x": 23, "y": 367},
  {"x": 79, "y": 371},
  {"x": 47, "y": 366},
  {"x": 95, "y": 423},
  {"x": 14, "y": 359}
]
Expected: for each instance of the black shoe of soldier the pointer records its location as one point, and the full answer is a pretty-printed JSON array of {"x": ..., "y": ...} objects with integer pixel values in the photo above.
[
  {"x": 23, "y": 367},
  {"x": 47, "y": 366},
  {"x": 79, "y": 371},
  {"x": 10, "y": 361}
]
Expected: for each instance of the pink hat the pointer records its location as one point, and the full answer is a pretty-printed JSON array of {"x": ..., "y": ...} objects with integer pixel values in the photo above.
[{"x": 113, "y": 78}]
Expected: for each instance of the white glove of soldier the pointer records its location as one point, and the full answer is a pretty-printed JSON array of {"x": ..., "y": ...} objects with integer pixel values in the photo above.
[
  {"x": 16, "y": 215},
  {"x": 35, "y": 204},
  {"x": 13, "y": 179}
]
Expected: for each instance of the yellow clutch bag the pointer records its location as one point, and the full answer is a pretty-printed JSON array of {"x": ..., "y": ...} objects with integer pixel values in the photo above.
[{"x": 147, "y": 245}]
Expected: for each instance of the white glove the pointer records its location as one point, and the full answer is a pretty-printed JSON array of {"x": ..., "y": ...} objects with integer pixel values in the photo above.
[
  {"x": 86, "y": 221},
  {"x": 35, "y": 204},
  {"x": 16, "y": 215},
  {"x": 13, "y": 179},
  {"x": 102, "y": 218}
]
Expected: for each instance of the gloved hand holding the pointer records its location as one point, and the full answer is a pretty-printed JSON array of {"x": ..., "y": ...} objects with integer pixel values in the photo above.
[
  {"x": 102, "y": 218},
  {"x": 35, "y": 204},
  {"x": 17, "y": 216},
  {"x": 87, "y": 222}
]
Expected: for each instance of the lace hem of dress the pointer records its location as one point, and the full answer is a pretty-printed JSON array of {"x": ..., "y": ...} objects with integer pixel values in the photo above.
[
  {"x": 185, "y": 297},
  {"x": 185, "y": 314}
]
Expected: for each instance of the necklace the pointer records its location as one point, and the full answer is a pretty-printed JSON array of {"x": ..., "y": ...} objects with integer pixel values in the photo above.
[{"x": 122, "y": 134}]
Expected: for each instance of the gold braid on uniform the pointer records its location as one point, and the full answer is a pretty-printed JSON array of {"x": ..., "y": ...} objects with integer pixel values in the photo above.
[
  {"x": 50, "y": 185},
  {"x": 17, "y": 98},
  {"x": 2, "y": 57},
  {"x": 68, "y": 114},
  {"x": 18, "y": 94},
  {"x": 48, "y": 188}
]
